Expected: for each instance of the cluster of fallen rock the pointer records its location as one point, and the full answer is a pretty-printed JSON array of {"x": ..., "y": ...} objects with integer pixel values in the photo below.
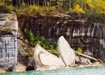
[
  {"x": 67, "y": 57},
  {"x": 44, "y": 60}
]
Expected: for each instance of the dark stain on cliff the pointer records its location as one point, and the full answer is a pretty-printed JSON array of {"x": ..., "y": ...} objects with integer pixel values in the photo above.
[{"x": 88, "y": 36}]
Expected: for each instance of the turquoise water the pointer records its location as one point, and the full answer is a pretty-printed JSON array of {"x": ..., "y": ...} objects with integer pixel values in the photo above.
[{"x": 72, "y": 71}]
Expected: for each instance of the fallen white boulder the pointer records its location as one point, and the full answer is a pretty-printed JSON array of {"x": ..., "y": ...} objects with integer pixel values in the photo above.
[
  {"x": 44, "y": 58},
  {"x": 51, "y": 60},
  {"x": 66, "y": 52}
]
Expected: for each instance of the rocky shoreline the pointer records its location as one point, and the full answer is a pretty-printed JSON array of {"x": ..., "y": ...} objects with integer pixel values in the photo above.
[{"x": 44, "y": 68}]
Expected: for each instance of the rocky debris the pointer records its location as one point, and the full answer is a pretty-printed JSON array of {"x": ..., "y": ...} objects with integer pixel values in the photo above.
[
  {"x": 44, "y": 58},
  {"x": 69, "y": 57},
  {"x": 82, "y": 61},
  {"x": 86, "y": 56},
  {"x": 19, "y": 68},
  {"x": 66, "y": 52},
  {"x": 2, "y": 71}
]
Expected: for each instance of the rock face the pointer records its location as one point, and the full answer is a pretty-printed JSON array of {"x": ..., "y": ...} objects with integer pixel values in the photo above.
[
  {"x": 81, "y": 33},
  {"x": 8, "y": 40},
  {"x": 8, "y": 22},
  {"x": 66, "y": 52},
  {"x": 44, "y": 58}
]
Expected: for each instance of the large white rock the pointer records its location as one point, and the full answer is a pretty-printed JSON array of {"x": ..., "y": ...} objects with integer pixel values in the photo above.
[
  {"x": 66, "y": 52},
  {"x": 51, "y": 60},
  {"x": 44, "y": 58}
]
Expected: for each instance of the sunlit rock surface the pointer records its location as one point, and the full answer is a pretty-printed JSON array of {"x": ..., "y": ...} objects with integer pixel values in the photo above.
[
  {"x": 49, "y": 59},
  {"x": 44, "y": 58},
  {"x": 8, "y": 22},
  {"x": 66, "y": 52}
]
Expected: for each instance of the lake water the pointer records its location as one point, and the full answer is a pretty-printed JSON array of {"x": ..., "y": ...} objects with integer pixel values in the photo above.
[{"x": 70, "y": 71}]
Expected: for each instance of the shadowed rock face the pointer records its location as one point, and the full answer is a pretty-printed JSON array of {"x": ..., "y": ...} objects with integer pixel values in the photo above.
[{"x": 90, "y": 37}]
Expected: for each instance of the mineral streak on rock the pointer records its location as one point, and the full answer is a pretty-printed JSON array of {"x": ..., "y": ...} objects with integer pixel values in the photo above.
[{"x": 8, "y": 40}]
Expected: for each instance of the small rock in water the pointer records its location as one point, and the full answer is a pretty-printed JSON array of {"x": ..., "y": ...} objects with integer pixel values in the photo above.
[{"x": 66, "y": 52}]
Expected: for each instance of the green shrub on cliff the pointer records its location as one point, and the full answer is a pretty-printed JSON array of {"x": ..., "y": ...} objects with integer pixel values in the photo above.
[
  {"x": 33, "y": 40},
  {"x": 30, "y": 37},
  {"x": 53, "y": 48}
]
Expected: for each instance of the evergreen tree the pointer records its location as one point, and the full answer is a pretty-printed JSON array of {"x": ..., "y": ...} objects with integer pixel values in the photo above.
[{"x": 17, "y": 2}]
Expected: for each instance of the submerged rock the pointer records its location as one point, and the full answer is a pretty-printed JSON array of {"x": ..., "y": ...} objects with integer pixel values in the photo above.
[
  {"x": 66, "y": 52},
  {"x": 44, "y": 58}
]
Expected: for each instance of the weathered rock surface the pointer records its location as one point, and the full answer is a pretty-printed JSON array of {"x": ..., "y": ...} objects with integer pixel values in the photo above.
[
  {"x": 8, "y": 22},
  {"x": 8, "y": 40},
  {"x": 81, "y": 33},
  {"x": 66, "y": 52},
  {"x": 44, "y": 58}
]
